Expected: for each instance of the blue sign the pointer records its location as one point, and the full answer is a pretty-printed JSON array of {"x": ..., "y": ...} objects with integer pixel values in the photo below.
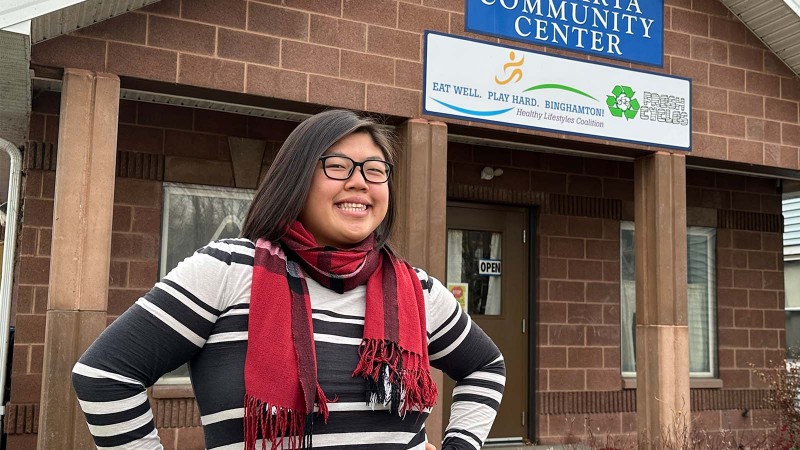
[{"x": 628, "y": 30}]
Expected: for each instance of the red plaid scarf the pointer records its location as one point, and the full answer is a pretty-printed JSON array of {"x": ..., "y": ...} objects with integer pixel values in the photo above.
[{"x": 280, "y": 371}]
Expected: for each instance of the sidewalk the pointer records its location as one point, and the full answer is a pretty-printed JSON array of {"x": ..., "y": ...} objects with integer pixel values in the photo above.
[{"x": 535, "y": 447}]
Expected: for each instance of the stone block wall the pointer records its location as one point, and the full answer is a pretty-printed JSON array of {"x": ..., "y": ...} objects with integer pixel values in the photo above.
[{"x": 367, "y": 55}]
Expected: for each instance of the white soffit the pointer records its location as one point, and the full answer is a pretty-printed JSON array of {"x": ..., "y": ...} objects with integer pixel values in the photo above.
[
  {"x": 17, "y": 11},
  {"x": 52, "y": 18},
  {"x": 80, "y": 15},
  {"x": 776, "y": 23}
]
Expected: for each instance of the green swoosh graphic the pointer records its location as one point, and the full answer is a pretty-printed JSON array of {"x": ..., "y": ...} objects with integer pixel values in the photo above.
[{"x": 560, "y": 86}]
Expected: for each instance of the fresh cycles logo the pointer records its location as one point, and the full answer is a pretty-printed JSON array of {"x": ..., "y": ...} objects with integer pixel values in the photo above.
[{"x": 622, "y": 102}]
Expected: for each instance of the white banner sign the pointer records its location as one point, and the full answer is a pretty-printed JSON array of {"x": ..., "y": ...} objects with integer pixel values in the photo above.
[{"x": 477, "y": 81}]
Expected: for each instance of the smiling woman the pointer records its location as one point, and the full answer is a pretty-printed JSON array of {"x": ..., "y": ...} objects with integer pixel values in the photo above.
[{"x": 311, "y": 304}]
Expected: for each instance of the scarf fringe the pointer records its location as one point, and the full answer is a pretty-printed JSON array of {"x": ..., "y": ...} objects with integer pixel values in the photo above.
[
  {"x": 395, "y": 377},
  {"x": 283, "y": 427}
]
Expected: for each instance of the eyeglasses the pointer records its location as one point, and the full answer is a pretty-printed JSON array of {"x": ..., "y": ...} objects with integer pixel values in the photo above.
[{"x": 342, "y": 168}]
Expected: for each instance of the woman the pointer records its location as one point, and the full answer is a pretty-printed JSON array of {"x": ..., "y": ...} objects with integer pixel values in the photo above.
[{"x": 308, "y": 330}]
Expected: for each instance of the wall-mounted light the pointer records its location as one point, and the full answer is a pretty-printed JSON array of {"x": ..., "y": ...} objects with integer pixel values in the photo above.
[{"x": 488, "y": 173}]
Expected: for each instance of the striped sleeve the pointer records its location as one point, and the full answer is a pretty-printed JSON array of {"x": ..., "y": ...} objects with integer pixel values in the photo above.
[
  {"x": 458, "y": 347},
  {"x": 163, "y": 330}
]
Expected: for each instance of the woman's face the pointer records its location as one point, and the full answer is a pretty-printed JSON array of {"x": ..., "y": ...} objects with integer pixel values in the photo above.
[{"x": 342, "y": 213}]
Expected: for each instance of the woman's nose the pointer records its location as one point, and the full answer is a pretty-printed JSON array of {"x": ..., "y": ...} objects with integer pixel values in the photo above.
[{"x": 357, "y": 180}]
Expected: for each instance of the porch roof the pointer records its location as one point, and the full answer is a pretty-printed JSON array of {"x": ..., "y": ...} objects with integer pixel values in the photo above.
[{"x": 52, "y": 18}]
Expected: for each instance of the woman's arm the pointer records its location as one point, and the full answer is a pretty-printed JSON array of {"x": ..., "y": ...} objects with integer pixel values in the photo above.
[
  {"x": 458, "y": 347},
  {"x": 162, "y": 330}
]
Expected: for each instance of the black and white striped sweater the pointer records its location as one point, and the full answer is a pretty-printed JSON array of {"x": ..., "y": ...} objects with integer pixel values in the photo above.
[{"x": 199, "y": 314}]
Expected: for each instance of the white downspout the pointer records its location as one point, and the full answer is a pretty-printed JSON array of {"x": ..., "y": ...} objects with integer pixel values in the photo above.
[{"x": 10, "y": 242}]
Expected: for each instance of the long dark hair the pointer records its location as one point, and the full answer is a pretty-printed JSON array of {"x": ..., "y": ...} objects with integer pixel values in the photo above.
[{"x": 281, "y": 196}]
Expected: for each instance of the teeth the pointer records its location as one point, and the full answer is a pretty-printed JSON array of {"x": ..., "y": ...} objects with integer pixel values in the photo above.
[{"x": 352, "y": 206}]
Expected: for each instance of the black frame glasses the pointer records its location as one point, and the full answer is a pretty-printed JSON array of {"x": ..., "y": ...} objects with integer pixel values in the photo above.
[{"x": 372, "y": 175}]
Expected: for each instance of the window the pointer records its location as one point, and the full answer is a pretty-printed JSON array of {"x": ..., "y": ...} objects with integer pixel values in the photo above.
[
  {"x": 193, "y": 217},
  {"x": 701, "y": 281},
  {"x": 465, "y": 248},
  {"x": 791, "y": 277}
]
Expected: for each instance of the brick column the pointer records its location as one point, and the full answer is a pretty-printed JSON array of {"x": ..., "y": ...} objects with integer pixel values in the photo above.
[
  {"x": 662, "y": 332},
  {"x": 81, "y": 247},
  {"x": 421, "y": 225}
]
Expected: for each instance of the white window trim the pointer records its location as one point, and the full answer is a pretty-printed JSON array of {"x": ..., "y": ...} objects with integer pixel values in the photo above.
[
  {"x": 709, "y": 233},
  {"x": 627, "y": 226},
  {"x": 796, "y": 361},
  {"x": 712, "y": 304}
]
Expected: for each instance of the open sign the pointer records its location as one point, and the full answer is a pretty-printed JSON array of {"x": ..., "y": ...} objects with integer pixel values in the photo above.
[{"x": 489, "y": 267}]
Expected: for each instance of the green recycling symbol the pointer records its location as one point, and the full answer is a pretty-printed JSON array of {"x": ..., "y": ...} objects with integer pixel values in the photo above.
[{"x": 622, "y": 102}]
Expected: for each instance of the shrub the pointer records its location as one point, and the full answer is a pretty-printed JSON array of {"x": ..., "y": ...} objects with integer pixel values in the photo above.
[{"x": 782, "y": 432}]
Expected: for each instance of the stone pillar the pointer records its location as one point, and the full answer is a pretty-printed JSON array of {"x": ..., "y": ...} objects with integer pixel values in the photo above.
[
  {"x": 421, "y": 225},
  {"x": 662, "y": 332},
  {"x": 81, "y": 247}
]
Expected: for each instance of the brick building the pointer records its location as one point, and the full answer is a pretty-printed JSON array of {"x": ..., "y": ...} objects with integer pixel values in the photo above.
[{"x": 180, "y": 105}]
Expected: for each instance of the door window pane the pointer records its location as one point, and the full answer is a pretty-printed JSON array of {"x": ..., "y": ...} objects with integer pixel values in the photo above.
[{"x": 465, "y": 250}]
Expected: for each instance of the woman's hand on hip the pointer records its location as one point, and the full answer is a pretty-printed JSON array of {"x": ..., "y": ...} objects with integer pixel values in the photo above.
[{"x": 429, "y": 446}]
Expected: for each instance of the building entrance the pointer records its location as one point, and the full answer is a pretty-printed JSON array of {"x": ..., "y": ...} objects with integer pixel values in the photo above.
[{"x": 487, "y": 270}]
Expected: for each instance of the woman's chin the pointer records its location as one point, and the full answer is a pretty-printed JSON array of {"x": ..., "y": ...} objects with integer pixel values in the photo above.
[{"x": 352, "y": 239}]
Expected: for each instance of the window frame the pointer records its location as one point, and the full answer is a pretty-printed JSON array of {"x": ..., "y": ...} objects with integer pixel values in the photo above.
[
  {"x": 796, "y": 359},
  {"x": 711, "y": 265},
  {"x": 169, "y": 189},
  {"x": 793, "y": 260},
  {"x": 195, "y": 189}
]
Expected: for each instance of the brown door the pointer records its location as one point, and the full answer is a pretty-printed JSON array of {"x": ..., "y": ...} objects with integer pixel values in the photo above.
[{"x": 487, "y": 267}]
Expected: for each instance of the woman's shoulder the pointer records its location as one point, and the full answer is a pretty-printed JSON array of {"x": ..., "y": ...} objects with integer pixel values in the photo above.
[
  {"x": 426, "y": 280},
  {"x": 233, "y": 244},
  {"x": 440, "y": 305},
  {"x": 432, "y": 288},
  {"x": 234, "y": 250}
]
